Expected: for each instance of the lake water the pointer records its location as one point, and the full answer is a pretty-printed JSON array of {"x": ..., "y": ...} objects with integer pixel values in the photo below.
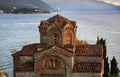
[{"x": 17, "y": 30}]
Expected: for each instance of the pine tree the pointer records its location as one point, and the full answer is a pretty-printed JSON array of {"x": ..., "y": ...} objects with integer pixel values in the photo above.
[{"x": 114, "y": 68}]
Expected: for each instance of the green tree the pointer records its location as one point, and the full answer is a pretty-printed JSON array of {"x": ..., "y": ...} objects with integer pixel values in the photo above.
[
  {"x": 103, "y": 42},
  {"x": 114, "y": 67},
  {"x": 106, "y": 63},
  {"x": 98, "y": 40},
  {"x": 105, "y": 75},
  {"x": 106, "y": 68}
]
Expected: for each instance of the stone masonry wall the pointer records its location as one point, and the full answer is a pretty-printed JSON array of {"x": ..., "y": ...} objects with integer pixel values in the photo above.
[
  {"x": 40, "y": 62},
  {"x": 87, "y": 59},
  {"x": 87, "y": 75},
  {"x": 24, "y": 74}
]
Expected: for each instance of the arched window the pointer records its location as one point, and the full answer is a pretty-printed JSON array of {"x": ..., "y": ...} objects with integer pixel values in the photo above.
[
  {"x": 68, "y": 38},
  {"x": 55, "y": 39},
  {"x": 53, "y": 63},
  {"x": 43, "y": 37}
]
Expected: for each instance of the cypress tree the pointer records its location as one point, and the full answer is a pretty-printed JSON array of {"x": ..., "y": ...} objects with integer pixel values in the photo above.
[
  {"x": 98, "y": 41},
  {"x": 106, "y": 64},
  {"x": 103, "y": 42},
  {"x": 106, "y": 67},
  {"x": 114, "y": 68}
]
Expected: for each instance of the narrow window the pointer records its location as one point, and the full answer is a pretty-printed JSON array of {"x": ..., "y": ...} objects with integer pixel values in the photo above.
[
  {"x": 54, "y": 63},
  {"x": 55, "y": 39},
  {"x": 68, "y": 38}
]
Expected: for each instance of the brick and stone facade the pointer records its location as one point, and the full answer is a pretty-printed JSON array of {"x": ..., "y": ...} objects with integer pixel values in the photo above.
[{"x": 57, "y": 54}]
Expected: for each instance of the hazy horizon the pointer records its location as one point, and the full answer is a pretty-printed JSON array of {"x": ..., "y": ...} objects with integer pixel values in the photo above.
[
  {"x": 114, "y": 2},
  {"x": 84, "y": 4}
]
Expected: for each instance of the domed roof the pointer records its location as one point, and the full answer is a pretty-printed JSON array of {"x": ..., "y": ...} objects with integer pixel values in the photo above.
[{"x": 60, "y": 20}]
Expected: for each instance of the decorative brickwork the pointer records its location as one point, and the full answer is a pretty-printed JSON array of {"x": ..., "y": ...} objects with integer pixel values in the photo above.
[
  {"x": 89, "y": 50},
  {"x": 57, "y": 54},
  {"x": 87, "y": 67},
  {"x": 60, "y": 30}
]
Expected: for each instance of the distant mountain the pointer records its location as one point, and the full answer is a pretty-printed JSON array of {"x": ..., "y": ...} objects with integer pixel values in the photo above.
[
  {"x": 19, "y": 4},
  {"x": 85, "y": 5}
]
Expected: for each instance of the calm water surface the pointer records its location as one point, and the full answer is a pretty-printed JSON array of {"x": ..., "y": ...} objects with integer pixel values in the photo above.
[{"x": 17, "y": 30}]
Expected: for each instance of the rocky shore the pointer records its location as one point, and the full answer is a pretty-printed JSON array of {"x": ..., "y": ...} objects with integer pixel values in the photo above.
[
  {"x": 24, "y": 11},
  {"x": 3, "y": 73}
]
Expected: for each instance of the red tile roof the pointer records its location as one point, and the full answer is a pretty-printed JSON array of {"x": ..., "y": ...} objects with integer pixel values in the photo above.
[
  {"x": 60, "y": 49},
  {"x": 87, "y": 67},
  {"x": 61, "y": 21},
  {"x": 58, "y": 18},
  {"x": 63, "y": 50},
  {"x": 28, "y": 50},
  {"x": 89, "y": 50},
  {"x": 81, "y": 50}
]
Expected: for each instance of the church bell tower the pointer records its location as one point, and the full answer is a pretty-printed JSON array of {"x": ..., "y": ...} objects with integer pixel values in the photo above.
[{"x": 58, "y": 30}]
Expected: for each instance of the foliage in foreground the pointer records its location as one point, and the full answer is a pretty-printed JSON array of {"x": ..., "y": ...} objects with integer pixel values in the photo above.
[{"x": 113, "y": 70}]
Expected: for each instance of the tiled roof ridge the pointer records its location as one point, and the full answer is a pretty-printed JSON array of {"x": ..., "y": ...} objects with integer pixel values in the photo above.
[
  {"x": 25, "y": 49},
  {"x": 59, "y": 17},
  {"x": 64, "y": 50},
  {"x": 61, "y": 49},
  {"x": 34, "y": 44},
  {"x": 87, "y": 50}
]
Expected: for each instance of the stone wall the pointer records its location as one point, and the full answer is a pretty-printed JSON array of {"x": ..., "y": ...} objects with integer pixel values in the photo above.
[
  {"x": 66, "y": 63},
  {"x": 52, "y": 34},
  {"x": 24, "y": 74},
  {"x": 24, "y": 59},
  {"x": 87, "y": 59},
  {"x": 87, "y": 75}
]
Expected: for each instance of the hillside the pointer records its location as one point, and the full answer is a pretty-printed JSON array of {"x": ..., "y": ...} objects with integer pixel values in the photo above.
[
  {"x": 8, "y": 5},
  {"x": 85, "y": 5}
]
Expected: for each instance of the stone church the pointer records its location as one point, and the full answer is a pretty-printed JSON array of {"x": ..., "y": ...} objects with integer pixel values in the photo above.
[{"x": 58, "y": 54}]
